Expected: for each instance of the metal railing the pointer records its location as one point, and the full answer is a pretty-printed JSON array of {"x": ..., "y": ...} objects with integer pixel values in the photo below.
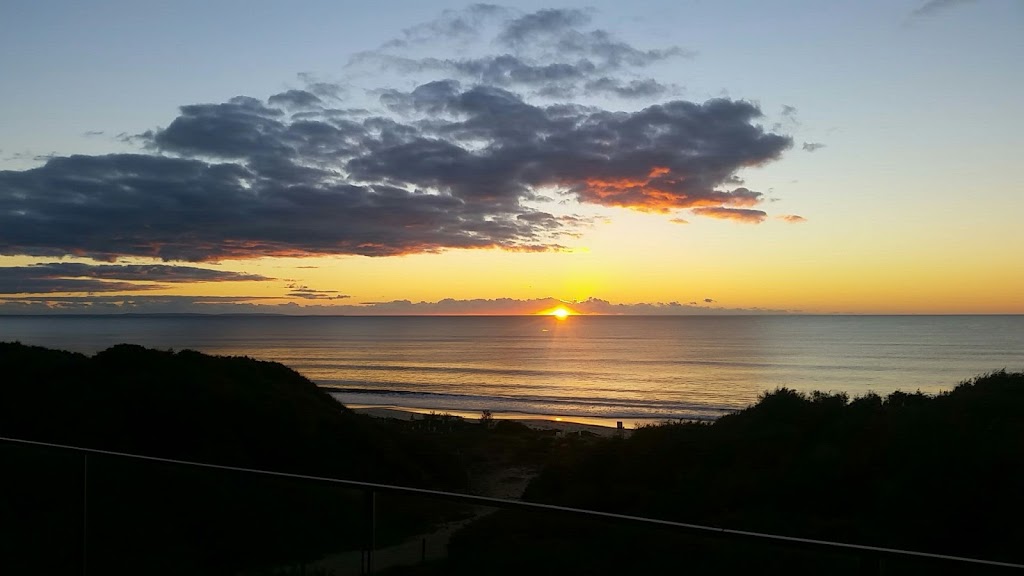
[{"x": 370, "y": 490}]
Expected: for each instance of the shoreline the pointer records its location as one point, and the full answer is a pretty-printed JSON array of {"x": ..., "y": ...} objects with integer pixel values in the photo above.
[{"x": 567, "y": 424}]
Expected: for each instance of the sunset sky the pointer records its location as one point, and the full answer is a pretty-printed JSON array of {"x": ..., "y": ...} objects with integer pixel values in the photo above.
[{"x": 408, "y": 157}]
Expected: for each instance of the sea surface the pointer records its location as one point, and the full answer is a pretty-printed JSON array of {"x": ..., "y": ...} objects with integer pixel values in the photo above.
[{"x": 600, "y": 368}]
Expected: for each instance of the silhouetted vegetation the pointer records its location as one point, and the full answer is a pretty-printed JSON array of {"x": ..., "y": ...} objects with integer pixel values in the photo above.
[{"x": 940, "y": 474}]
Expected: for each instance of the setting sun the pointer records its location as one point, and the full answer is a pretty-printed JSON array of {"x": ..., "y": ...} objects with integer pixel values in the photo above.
[{"x": 560, "y": 312}]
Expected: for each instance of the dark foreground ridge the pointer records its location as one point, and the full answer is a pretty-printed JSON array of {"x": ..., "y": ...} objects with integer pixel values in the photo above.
[
  {"x": 937, "y": 474},
  {"x": 189, "y": 406}
]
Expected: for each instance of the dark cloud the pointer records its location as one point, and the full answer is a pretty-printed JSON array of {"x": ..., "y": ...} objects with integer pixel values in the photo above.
[
  {"x": 136, "y": 298},
  {"x": 307, "y": 293},
  {"x": 16, "y": 285},
  {"x": 663, "y": 157},
  {"x": 456, "y": 178},
  {"x": 139, "y": 272},
  {"x": 450, "y": 164},
  {"x": 239, "y": 128},
  {"x": 104, "y": 207},
  {"x": 709, "y": 300},
  {"x": 92, "y": 133},
  {"x": 812, "y": 146},
  {"x": 80, "y": 277}
]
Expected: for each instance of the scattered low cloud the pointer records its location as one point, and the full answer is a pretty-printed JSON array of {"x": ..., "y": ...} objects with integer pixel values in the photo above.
[
  {"x": 79, "y": 277},
  {"x": 933, "y": 7},
  {"x": 787, "y": 118},
  {"x": 792, "y": 218},
  {"x": 140, "y": 304},
  {"x": 296, "y": 99},
  {"x": 149, "y": 304},
  {"x": 812, "y": 146},
  {"x": 307, "y": 293},
  {"x": 457, "y": 25},
  {"x": 29, "y": 156},
  {"x": 745, "y": 215},
  {"x": 551, "y": 52}
]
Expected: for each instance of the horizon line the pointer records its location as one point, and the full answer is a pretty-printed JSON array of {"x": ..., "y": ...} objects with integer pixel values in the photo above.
[{"x": 479, "y": 315}]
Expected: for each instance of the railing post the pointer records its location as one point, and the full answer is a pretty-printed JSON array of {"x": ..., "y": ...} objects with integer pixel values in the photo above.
[
  {"x": 370, "y": 511},
  {"x": 85, "y": 513},
  {"x": 872, "y": 564}
]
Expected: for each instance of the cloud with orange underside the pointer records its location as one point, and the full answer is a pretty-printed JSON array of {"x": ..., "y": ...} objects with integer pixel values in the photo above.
[
  {"x": 738, "y": 214},
  {"x": 661, "y": 191}
]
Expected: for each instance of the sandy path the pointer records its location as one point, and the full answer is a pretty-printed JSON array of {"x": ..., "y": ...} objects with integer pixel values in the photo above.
[{"x": 508, "y": 483}]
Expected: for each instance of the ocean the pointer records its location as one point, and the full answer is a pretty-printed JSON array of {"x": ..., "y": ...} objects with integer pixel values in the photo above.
[{"x": 585, "y": 368}]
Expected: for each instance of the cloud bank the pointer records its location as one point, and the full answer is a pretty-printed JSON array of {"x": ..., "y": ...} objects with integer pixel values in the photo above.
[
  {"x": 144, "y": 304},
  {"x": 58, "y": 277},
  {"x": 463, "y": 160}
]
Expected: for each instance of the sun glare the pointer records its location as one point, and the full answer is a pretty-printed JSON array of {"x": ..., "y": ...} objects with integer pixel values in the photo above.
[{"x": 561, "y": 312}]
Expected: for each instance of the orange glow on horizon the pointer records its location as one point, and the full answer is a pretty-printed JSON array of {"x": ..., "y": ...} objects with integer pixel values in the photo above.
[{"x": 560, "y": 312}]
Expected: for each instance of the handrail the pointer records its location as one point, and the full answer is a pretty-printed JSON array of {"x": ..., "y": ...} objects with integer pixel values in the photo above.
[{"x": 520, "y": 505}]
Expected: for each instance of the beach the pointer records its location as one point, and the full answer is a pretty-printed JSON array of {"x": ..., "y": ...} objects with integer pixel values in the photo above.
[{"x": 565, "y": 425}]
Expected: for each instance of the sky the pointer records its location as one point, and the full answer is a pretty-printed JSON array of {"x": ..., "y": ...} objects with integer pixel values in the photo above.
[{"x": 684, "y": 157}]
